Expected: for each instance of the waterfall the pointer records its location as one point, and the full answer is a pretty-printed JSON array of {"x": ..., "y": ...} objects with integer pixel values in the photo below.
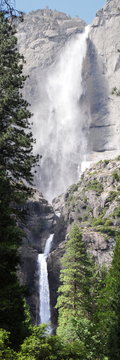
[
  {"x": 59, "y": 128},
  {"x": 44, "y": 295}
]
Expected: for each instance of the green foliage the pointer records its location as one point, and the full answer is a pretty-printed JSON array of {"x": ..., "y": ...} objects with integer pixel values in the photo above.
[
  {"x": 5, "y": 352},
  {"x": 71, "y": 199},
  {"x": 75, "y": 301},
  {"x": 106, "y": 162},
  {"x": 16, "y": 162},
  {"x": 116, "y": 212},
  {"x": 111, "y": 197},
  {"x": 111, "y": 231},
  {"x": 41, "y": 346},
  {"x": 115, "y": 91},
  {"x": 103, "y": 222},
  {"x": 73, "y": 188},
  {"x": 34, "y": 346},
  {"x": 116, "y": 175},
  {"x": 96, "y": 186},
  {"x": 16, "y": 143},
  {"x": 102, "y": 211},
  {"x": 108, "y": 313},
  {"x": 99, "y": 221}
]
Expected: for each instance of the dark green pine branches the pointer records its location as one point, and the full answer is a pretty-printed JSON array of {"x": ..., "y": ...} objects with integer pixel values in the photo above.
[{"x": 16, "y": 163}]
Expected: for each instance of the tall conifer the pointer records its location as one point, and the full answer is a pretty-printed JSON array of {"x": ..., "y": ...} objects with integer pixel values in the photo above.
[
  {"x": 108, "y": 310},
  {"x": 75, "y": 300},
  {"x": 16, "y": 162}
]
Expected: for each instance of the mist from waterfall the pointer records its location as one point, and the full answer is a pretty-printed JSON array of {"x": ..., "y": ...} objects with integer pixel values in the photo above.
[
  {"x": 44, "y": 295},
  {"x": 59, "y": 126}
]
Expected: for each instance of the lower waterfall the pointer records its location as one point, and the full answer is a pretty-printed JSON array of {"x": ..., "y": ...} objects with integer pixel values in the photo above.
[{"x": 44, "y": 295}]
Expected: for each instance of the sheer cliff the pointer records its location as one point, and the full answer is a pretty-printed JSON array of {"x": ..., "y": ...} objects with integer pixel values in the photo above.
[
  {"x": 46, "y": 38},
  {"x": 103, "y": 82}
]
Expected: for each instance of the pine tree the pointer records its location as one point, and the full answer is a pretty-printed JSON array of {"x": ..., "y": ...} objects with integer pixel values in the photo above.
[
  {"x": 16, "y": 159},
  {"x": 16, "y": 163},
  {"x": 75, "y": 300},
  {"x": 108, "y": 310}
]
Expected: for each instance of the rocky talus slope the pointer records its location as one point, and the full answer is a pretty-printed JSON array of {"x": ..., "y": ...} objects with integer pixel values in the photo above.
[{"x": 94, "y": 204}]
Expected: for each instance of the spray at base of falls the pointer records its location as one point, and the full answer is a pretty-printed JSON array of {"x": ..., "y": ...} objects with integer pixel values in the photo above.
[
  {"x": 60, "y": 126},
  {"x": 44, "y": 294}
]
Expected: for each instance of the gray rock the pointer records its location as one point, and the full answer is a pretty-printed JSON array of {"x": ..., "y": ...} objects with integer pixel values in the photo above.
[
  {"x": 103, "y": 77},
  {"x": 42, "y": 37}
]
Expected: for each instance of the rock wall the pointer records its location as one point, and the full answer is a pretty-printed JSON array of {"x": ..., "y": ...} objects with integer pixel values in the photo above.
[
  {"x": 102, "y": 77},
  {"x": 41, "y": 38}
]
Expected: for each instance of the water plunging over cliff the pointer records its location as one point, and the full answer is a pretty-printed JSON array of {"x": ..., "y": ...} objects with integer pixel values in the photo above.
[
  {"x": 60, "y": 135},
  {"x": 44, "y": 304}
]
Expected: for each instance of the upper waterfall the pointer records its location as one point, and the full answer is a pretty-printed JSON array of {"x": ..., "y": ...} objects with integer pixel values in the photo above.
[
  {"x": 60, "y": 133},
  {"x": 57, "y": 53}
]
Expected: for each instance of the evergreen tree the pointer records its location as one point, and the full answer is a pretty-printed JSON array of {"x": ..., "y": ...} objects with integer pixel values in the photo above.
[
  {"x": 108, "y": 310},
  {"x": 6, "y": 353},
  {"x": 16, "y": 162},
  {"x": 16, "y": 159},
  {"x": 41, "y": 346},
  {"x": 75, "y": 302}
]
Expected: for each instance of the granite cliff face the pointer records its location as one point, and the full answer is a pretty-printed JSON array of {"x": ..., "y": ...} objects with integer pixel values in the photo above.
[
  {"x": 103, "y": 77},
  {"x": 42, "y": 38}
]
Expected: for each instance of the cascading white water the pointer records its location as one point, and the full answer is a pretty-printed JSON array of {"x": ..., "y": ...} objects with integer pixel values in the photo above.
[
  {"x": 60, "y": 125},
  {"x": 44, "y": 295}
]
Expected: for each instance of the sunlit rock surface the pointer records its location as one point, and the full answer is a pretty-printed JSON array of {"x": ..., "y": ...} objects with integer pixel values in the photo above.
[
  {"x": 103, "y": 76},
  {"x": 42, "y": 38}
]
